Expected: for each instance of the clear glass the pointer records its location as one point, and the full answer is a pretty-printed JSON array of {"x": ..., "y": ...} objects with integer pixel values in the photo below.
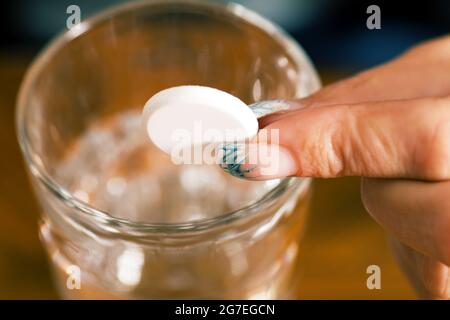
[{"x": 119, "y": 219}]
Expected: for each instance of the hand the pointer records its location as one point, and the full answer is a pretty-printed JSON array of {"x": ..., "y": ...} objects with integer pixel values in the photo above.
[{"x": 391, "y": 126}]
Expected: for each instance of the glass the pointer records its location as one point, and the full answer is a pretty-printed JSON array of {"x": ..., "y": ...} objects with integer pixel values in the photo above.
[{"x": 119, "y": 219}]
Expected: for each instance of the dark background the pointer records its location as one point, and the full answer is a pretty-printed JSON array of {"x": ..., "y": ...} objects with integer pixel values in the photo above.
[{"x": 333, "y": 32}]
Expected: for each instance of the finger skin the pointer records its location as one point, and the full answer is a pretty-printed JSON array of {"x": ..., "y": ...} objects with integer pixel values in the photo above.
[
  {"x": 429, "y": 277},
  {"x": 408, "y": 138},
  {"x": 420, "y": 72},
  {"x": 415, "y": 212}
]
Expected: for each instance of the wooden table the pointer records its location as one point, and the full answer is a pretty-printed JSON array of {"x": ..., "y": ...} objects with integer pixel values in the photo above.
[{"x": 340, "y": 242}]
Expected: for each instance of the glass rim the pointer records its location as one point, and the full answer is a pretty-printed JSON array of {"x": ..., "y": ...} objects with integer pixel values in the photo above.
[{"x": 103, "y": 217}]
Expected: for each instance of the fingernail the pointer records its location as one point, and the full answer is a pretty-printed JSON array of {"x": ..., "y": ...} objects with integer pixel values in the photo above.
[
  {"x": 231, "y": 157},
  {"x": 263, "y": 108},
  {"x": 257, "y": 161}
]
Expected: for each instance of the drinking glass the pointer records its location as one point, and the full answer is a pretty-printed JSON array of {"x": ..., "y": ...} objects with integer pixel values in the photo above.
[{"x": 119, "y": 219}]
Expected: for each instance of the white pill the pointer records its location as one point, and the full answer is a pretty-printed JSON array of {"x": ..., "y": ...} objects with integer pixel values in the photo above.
[{"x": 194, "y": 115}]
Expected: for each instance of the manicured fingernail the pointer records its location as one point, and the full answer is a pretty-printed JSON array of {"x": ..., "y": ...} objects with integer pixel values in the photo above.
[
  {"x": 269, "y": 161},
  {"x": 257, "y": 161},
  {"x": 231, "y": 157},
  {"x": 263, "y": 108}
]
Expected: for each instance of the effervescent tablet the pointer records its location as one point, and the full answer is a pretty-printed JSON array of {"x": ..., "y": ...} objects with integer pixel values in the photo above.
[{"x": 197, "y": 115}]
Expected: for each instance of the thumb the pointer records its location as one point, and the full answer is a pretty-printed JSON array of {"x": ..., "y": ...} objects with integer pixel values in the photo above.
[{"x": 405, "y": 138}]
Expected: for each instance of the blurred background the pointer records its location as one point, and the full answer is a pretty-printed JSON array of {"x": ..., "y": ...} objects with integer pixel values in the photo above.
[
  {"x": 333, "y": 32},
  {"x": 341, "y": 239}
]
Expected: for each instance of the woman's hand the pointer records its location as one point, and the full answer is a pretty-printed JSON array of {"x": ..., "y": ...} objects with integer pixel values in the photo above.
[{"x": 391, "y": 126}]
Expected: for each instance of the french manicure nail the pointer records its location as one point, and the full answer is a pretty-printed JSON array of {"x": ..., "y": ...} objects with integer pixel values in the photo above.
[{"x": 257, "y": 161}]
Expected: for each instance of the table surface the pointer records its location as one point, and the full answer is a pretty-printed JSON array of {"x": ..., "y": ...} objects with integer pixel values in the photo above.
[{"x": 341, "y": 240}]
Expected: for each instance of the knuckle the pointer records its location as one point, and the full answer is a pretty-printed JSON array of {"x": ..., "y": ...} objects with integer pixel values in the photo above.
[
  {"x": 339, "y": 143},
  {"x": 437, "y": 146},
  {"x": 322, "y": 152}
]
